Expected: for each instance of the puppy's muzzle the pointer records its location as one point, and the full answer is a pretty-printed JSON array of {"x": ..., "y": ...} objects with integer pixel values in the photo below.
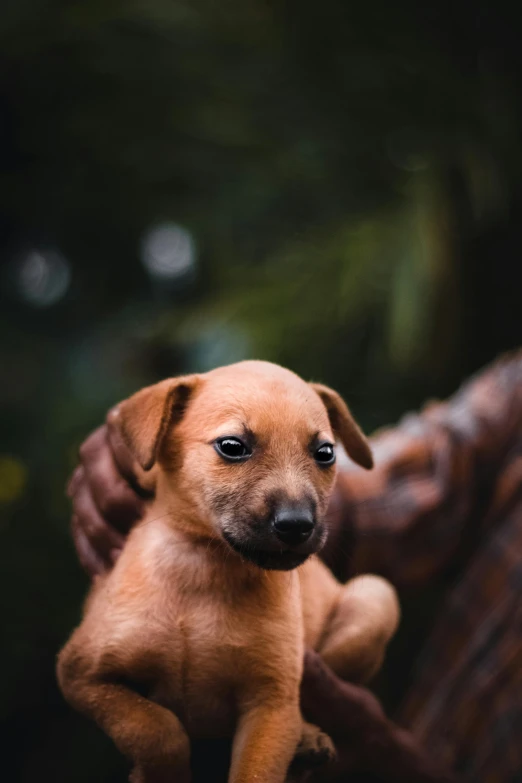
[
  {"x": 293, "y": 526},
  {"x": 283, "y": 539}
]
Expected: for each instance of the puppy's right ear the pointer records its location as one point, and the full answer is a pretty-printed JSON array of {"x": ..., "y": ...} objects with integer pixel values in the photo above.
[{"x": 145, "y": 418}]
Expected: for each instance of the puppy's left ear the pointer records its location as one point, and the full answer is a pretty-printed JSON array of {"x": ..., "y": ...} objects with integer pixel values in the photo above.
[
  {"x": 145, "y": 418},
  {"x": 344, "y": 426}
]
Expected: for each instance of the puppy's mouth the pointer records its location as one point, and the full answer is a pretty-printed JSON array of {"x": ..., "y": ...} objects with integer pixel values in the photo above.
[{"x": 269, "y": 560}]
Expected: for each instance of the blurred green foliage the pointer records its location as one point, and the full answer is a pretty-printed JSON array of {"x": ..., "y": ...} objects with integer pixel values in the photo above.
[{"x": 351, "y": 176}]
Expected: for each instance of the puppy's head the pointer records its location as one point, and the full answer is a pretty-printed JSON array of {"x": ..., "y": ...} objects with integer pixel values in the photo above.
[{"x": 250, "y": 449}]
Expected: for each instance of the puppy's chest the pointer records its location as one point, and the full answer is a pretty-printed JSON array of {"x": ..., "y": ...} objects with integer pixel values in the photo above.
[
  {"x": 206, "y": 629},
  {"x": 214, "y": 648}
]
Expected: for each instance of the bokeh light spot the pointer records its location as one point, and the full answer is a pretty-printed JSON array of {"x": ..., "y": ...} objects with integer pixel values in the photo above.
[
  {"x": 168, "y": 251},
  {"x": 13, "y": 478},
  {"x": 43, "y": 277}
]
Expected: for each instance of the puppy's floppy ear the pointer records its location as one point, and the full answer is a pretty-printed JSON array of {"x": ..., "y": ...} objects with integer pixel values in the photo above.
[
  {"x": 344, "y": 426},
  {"x": 145, "y": 417}
]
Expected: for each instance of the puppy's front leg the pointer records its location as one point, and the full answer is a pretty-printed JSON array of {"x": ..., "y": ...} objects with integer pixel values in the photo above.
[
  {"x": 149, "y": 735},
  {"x": 265, "y": 743}
]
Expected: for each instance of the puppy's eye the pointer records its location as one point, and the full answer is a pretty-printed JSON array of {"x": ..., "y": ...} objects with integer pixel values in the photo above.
[
  {"x": 232, "y": 449},
  {"x": 324, "y": 454}
]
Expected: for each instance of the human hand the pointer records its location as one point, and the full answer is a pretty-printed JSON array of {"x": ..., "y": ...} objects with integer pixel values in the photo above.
[
  {"x": 106, "y": 497},
  {"x": 365, "y": 739}
]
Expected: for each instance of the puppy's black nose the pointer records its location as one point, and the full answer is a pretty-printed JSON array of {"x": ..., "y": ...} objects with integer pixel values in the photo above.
[{"x": 293, "y": 526}]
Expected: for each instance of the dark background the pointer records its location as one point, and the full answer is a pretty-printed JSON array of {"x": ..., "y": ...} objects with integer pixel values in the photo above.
[{"x": 339, "y": 189}]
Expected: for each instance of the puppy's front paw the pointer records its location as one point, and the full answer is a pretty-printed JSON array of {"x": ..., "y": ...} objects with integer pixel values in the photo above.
[{"x": 315, "y": 749}]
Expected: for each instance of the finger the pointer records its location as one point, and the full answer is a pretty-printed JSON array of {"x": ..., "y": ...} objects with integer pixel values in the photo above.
[
  {"x": 103, "y": 538},
  {"x": 74, "y": 481},
  {"x": 122, "y": 454},
  {"x": 336, "y": 706},
  {"x": 89, "y": 559},
  {"x": 115, "y": 499},
  {"x": 319, "y": 692}
]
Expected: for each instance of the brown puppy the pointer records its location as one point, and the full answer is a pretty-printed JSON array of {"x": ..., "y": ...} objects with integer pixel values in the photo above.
[{"x": 199, "y": 630}]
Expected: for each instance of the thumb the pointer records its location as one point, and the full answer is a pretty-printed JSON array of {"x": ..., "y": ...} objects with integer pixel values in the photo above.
[{"x": 336, "y": 706}]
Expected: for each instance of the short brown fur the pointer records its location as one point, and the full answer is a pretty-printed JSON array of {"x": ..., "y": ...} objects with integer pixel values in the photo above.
[{"x": 214, "y": 641}]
